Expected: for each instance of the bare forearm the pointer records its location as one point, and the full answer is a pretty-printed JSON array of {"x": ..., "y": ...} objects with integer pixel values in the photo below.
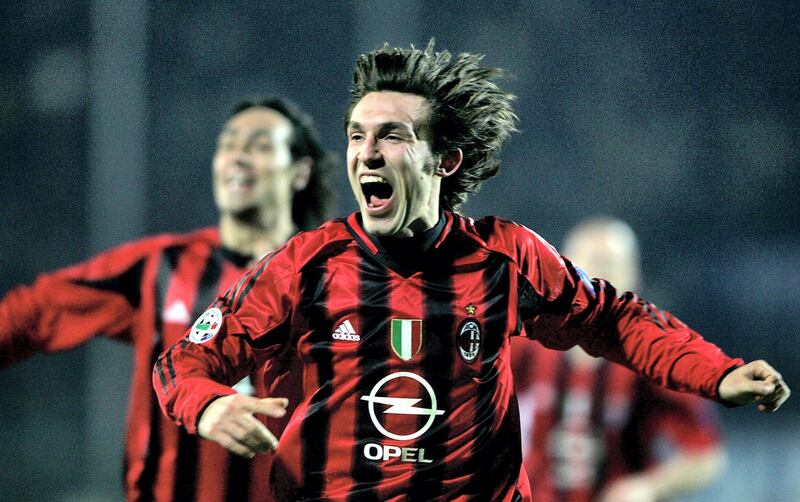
[
  {"x": 686, "y": 472},
  {"x": 682, "y": 473}
]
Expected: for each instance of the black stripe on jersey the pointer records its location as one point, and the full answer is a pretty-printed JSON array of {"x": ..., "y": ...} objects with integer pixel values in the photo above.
[
  {"x": 170, "y": 367},
  {"x": 185, "y": 468},
  {"x": 238, "y": 482},
  {"x": 653, "y": 313},
  {"x": 159, "y": 364},
  {"x": 373, "y": 355},
  {"x": 529, "y": 303},
  {"x": 209, "y": 284},
  {"x": 635, "y": 457},
  {"x": 315, "y": 426},
  {"x": 186, "y": 460},
  {"x": 147, "y": 480},
  {"x": 127, "y": 283},
  {"x": 439, "y": 346},
  {"x": 504, "y": 449}
]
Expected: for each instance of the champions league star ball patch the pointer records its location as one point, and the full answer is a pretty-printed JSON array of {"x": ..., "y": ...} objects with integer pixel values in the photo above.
[{"x": 206, "y": 326}]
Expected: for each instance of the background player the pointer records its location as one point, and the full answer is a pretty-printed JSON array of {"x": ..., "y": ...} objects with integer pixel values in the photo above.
[
  {"x": 419, "y": 404},
  {"x": 594, "y": 430},
  {"x": 269, "y": 174}
]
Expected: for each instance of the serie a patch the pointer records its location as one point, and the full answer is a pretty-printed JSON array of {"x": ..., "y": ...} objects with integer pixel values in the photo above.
[{"x": 206, "y": 327}]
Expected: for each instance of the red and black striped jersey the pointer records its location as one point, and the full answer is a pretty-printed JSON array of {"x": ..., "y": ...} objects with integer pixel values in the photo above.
[
  {"x": 145, "y": 293},
  {"x": 587, "y": 422},
  {"x": 407, "y": 391}
]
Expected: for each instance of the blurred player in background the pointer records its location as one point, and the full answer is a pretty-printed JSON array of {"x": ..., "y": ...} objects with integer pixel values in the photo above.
[
  {"x": 269, "y": 172},
  {"x": 593, "y": 430}
]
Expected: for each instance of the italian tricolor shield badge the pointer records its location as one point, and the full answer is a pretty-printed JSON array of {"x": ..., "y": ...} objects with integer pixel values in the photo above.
[{"x": 406, "y": 337}]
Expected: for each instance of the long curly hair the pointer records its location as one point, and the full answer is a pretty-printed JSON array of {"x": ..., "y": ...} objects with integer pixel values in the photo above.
[
  {"x": 468, "y": 110},
  {"x": 312, "y": 205}
]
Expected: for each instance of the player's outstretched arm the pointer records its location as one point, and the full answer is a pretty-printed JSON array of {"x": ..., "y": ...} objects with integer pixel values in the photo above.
[
  {"x": 756, "y": 382},
  {"x": 229, "y": 421}
]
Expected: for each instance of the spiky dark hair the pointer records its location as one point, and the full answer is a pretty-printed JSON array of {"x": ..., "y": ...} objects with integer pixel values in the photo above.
[{"x": 468, "y": 110}]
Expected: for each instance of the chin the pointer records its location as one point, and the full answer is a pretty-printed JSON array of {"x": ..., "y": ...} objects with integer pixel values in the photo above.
[{"x": 379, "y": 227}]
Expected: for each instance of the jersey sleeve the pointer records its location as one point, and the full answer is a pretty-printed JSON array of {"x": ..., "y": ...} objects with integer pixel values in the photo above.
[
  {"x": 254, "y": 323},
  {"x": 65, "y": 308},
  {"x": 561, "y": 306}
]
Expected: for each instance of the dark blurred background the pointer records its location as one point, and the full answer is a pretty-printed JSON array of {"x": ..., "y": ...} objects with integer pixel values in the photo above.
[{"x": 679, "y": 117}]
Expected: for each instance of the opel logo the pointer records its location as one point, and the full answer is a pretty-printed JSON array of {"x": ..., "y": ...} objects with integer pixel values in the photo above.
[{"x": 402, "y": 405}]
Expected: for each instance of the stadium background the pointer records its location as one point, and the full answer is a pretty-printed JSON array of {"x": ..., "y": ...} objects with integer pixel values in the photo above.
[{"x": 681, "y": 118}]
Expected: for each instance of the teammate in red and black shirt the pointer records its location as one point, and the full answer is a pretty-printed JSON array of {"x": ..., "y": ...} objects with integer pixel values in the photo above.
[
  {"x": 418, "y": 402},
  {"x": 268, "y": 175},
  {"x": 593, "y": 430}
]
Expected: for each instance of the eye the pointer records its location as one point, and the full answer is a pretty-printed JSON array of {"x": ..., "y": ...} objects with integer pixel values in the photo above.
[
  {"x": 262, "y": 147},
  {"x": 356, "y": 136},
  {"x": 226, "y": 145}
]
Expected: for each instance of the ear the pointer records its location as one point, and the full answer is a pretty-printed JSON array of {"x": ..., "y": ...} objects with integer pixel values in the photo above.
[
  {"x": 449, "y": 163},
  {"x": 302, "y": 173}
]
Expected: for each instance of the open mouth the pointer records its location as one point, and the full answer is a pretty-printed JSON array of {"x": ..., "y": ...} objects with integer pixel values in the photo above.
[
  {"x": 377, "y": 191},
  {"x": 239, "y": 182}
]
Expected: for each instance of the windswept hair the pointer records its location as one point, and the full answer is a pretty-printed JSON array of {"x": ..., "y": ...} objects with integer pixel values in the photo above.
[
  {"x": 468, "y": 110},
  {"x": 312, "y": 205}
]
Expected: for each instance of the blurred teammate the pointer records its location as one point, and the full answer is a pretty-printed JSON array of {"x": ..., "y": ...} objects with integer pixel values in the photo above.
[
  {"x": 269, "y": 172},
  {"x": 594, "y": 430},
  {"x": 402, "y": 313}
]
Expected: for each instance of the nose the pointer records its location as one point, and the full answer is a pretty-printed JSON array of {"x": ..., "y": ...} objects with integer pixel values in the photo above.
[
  {"x": 242, "y": 157},
  {"x": 369, "y": 154}
]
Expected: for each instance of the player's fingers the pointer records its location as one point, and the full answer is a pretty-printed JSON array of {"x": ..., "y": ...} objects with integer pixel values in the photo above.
[
  {"x": 233, "y": 445},
  {"x": 259, "y": 437},
  {"x": 242, "y": 402},
  {"x": 274, "y": 407},
  {"x": 243, "y": 431},
  {"x": 762, "y": 370},
  {"x": 776, "y": 399},
  {"x": 758, "y": 389},
  {"x": 244, "y": 428}
]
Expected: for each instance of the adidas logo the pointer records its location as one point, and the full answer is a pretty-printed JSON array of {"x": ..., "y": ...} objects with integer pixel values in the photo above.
[{"x": 345, "y": 331}]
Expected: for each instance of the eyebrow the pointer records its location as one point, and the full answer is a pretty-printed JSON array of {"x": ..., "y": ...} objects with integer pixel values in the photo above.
[
  {"x": 255, "y": 133},
  {"x": 383, "y": 128}
]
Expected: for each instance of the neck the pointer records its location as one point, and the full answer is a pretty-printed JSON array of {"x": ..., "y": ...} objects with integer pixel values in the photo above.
[{"x": 255, "y": 235}]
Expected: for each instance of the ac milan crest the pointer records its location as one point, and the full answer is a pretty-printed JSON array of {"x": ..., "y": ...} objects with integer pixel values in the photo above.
[{"x": 469, "y": 340}]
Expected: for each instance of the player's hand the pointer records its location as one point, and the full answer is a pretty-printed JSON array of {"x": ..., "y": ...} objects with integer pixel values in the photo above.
[
  {"x": 756, "y": 382},
  {"x": 230, "y": 422},
  {"x": 629, "y": 489}
]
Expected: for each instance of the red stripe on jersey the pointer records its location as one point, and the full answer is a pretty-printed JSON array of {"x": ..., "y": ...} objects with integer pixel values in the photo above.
[
  {"x": 448, "y": 225},
  {"x": 471, "y": 291},
  {"x": 405, "y": 301},
  {"x": 343, "y": 419}
]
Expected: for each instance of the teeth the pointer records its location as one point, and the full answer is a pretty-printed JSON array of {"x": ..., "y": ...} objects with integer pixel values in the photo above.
[
  {"x": 240, "y": 179},
  {"x": 368, "y": 178}
]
